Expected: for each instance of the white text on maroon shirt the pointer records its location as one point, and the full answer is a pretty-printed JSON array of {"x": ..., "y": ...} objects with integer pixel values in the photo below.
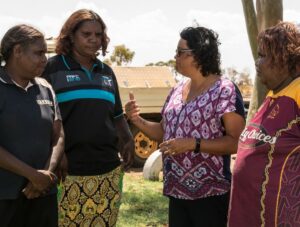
[{"x": 258, "y": 135}]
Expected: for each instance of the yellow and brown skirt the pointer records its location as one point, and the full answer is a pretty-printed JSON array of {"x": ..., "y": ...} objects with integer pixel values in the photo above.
[{"x": 91, "y": 200}]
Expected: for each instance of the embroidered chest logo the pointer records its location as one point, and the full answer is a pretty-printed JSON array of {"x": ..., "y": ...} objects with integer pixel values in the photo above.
[
  {"x": 44, "y": 102},
  {"x": 274, "y": 112},
  {"x": 106, "y": 81},
  {"x": 72, "y": 78}
]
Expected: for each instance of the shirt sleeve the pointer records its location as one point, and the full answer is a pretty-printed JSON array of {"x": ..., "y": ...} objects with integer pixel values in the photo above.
[
  {"x": 230, "y": 100},
  {"x": 43, "y": 82},
  {"x": 57, "y": 115},
  {"x": 239, "y": 103},
  {"x": 46, "y": 75}
]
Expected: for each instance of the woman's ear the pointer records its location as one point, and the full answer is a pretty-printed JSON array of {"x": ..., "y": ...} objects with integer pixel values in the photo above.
[
  {"x": 17, "y": 51},
  {"x": 196, "y": 65}
]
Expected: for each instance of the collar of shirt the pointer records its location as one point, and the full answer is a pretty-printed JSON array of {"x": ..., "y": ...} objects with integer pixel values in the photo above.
[
  {"x": 5, "y": 78},
  {"x": 25, "y": 88},
  {"x": 72, "y": 64}
]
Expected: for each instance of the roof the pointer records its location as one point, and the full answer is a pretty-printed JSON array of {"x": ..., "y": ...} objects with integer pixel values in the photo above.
[
  {"x": 50, "y": 45},
  {"x": 144, "y": 77}
]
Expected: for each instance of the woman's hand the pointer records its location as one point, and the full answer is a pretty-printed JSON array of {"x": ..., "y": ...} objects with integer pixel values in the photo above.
[
  {"x": 177, "y": 146},
  {"x": 43, "y": 179},
  {"x": 132, "y": 109},
  {"x": 30, "y": 192}
]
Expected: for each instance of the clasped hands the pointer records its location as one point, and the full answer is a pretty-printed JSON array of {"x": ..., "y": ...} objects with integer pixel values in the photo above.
[{"x": 39, "y": 183}]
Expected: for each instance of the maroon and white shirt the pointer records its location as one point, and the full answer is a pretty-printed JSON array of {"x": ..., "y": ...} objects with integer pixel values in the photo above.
[
  {"x": 266, "y": 177},
  {"x": 189, "y": 175}
]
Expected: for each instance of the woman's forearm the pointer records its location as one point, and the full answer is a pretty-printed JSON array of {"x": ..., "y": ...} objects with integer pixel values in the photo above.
[
  {"x": 15, "y": 165},
  {"x": 153, "y": 130}
]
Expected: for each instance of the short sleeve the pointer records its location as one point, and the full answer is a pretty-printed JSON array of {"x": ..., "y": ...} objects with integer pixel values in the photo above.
[
  {"x": 230, "y": 99},
  {"x": 43, "y": 82},
  {"x": 57, "y": 115},
  {"x": 239, "y": 103}
]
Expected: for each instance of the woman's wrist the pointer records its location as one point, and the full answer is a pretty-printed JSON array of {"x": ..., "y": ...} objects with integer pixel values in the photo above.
[{"x": 138, "y": 121}]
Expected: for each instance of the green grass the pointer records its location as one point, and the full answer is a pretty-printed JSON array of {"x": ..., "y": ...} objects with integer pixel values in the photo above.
[{"x": 143, "y": 204}]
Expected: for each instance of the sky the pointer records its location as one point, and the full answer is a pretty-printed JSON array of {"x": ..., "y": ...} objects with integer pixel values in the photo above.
[{"x": 149, "y": 28}]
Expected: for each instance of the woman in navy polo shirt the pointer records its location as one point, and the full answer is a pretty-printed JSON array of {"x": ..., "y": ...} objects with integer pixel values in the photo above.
[
  {"x": 30, "y": 126},
  {"x": 89, "y": 100}
]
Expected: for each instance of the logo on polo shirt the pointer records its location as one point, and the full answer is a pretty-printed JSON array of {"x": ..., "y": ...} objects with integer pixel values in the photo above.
[
  {"x": 44, "y": 102},
  {"x": 73, "y": 78},
  {"x": 107, "y": 81}
]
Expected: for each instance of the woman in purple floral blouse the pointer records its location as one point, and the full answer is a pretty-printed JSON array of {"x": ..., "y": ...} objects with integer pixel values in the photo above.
[{"x": 201, "y": 122}]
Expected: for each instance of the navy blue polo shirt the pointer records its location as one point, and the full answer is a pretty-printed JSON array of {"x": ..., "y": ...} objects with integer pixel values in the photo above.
[
  {"x": 90, "y": 104},
  {"x": 26, "y": 128}
]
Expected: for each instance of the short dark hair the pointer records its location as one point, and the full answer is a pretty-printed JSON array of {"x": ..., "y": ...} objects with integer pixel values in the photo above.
[
  {"x": 282, "y": 43},
  {"x": 20, "y": 34},
  {"x": 73, "y": 23},
  {"x": 204, "y": 43}
]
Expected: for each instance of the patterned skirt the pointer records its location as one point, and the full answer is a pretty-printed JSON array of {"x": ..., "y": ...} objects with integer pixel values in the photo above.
[{"x": 91, "y": 200}]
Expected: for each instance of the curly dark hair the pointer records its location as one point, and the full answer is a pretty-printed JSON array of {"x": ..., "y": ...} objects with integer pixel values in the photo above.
[
  {"x": 282, "y": 43},
  {"x": 73, "y": 23},
  {"x": 22, "y": 34},
  {"x": 204, "y": 43}
]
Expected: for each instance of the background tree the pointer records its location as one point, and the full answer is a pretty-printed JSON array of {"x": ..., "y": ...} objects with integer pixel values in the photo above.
[
  {"x": 242, "y": 79},
  {"x": 267, "y": 14},
  {"x": 121, "y": 55},
  {"x": 107, "y": 61}
]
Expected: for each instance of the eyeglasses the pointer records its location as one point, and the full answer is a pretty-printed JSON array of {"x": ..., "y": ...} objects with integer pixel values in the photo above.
[{"x": 183, "y": 50}]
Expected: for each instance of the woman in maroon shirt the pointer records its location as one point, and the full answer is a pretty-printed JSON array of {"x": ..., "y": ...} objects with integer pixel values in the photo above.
[{"x": 266, "y": 189}]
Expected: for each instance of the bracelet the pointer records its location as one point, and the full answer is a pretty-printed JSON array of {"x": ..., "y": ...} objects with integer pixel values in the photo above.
[{"x": 197, "y": 148}]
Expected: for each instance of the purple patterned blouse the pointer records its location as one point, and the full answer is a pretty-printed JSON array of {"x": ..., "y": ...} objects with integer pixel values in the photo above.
[{"x": 189, "y": 175}]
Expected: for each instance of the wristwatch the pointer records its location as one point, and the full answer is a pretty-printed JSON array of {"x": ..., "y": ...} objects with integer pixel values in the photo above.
[{"x": 197, "y": 148}]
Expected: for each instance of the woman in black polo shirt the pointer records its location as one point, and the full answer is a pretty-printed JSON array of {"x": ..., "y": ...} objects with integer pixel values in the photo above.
[
  {"x": 88, "y": 97},
  {"x": 30, "y": 126}
]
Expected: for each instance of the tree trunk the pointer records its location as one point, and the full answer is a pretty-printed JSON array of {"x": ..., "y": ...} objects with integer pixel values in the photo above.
[
  {"x": 251, "y": 25},
  {"x": 271, "y": 13},
  {"x": 268, "y": 13}
]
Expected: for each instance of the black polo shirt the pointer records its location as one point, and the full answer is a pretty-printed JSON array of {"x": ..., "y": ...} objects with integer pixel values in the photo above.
[
  {"x": 26, "y": 127},
  {"x": 90, "y": 104}
]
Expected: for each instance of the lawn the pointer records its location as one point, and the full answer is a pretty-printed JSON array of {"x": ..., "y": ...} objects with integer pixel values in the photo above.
[{"x": 143, "y": 204}]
